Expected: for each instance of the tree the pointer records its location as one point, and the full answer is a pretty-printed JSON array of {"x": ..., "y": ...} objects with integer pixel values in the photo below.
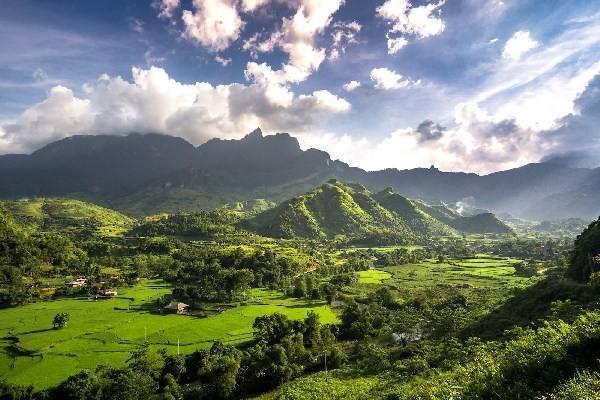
[
  {"x": 147, "y": 362},
  {"x": 219, "y": 373},
  {"x": 272, "y": 328},
  {"x": 328, "y": 292},
  {"x": 172, "y": 390},
  {"x": 587, "y": 247},
  {"x": 60, "y": 320},
  {"x": 299, "y": 287},
  {"x": 82, "y": 386}
]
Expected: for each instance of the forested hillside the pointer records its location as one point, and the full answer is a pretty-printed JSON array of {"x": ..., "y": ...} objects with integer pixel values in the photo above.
[{"x": 351, "y": 210}]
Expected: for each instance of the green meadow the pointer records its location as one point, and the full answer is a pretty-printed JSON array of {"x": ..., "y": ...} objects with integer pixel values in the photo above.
[
  {"x": 479, "y": 271},
  {"x": 373, "y": 276},
  {"x": 107, "y": 331}
]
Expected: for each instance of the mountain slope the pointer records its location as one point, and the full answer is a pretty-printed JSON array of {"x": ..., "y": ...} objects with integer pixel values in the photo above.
[
  {"x": 419, "y": 221},
  {"x": 333, "y": 209},
  {"x": 96, "y": 167},
  {"x": 479, "y": 223},
  {"x": 350, "y": 210},
  {"x": 71, "y": 216}
]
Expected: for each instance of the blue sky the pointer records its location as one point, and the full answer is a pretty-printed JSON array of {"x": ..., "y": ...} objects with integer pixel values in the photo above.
[{"x": 470, "y": 85}]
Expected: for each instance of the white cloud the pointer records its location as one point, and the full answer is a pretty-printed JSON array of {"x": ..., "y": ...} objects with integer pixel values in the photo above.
[
  {"x": 394, "y": 45},
  {"x": 167, "y": 8},
  {"x": 154, "y": 102},
  {"x": 136, "y": 25},
  {"x": 351, "y": 86},
  {"x": 223, "y": 61},
  {"x": 387, "y": 79},
  {"x": 478, "y": 142},
  {"x": 214, "y": 24},
  {"x": 408, "y": 21},
  {"x": 343, "y": 35},
  {"x": 540, "y": 88},
  {"x": 519, "y": 44},
  {"x": 324, "y": 100},
  {"x": 252, "y": 5},
  {"x": 297, "y": 35},
  {"x": 59, "y": 115}
]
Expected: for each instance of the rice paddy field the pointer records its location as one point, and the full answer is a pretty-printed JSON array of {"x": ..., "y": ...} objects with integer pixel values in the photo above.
[{"x": 107, "y": 331}]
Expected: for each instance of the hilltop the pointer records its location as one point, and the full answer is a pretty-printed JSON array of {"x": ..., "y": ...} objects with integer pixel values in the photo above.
[
  {"x": 69, "y": 216},
  {"x": 337, "y": 209}
]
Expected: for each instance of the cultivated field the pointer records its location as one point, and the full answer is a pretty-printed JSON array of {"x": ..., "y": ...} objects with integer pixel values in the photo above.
[{"x": 107, "y": 331}]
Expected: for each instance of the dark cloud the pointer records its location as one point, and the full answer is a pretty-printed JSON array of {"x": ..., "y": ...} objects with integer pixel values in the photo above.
[
  {"x": 579, "y": 133},
  {"x": 575, "y": 159},
  {"x": 430, "y": 131}
]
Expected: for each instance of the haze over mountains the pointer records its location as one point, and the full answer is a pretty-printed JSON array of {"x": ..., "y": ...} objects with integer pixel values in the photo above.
[{"x": 143, "y": 174}]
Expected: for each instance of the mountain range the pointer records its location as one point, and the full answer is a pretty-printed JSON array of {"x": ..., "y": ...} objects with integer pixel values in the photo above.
[{"x": 142, "y": 174}]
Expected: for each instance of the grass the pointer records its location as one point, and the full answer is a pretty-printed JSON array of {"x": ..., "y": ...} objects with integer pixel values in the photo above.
[
  {"x": 107, "y": 331},
  {"x": 340, "y": 385},
  {"x": 373, "y": 276},
  {"x": 68, "y": 215},
  {"x": 479, "y": 271}
]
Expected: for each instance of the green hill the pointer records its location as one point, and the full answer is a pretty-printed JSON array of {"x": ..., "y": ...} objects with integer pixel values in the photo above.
[
  {"x": 333, "y": 209},
  {"x": 338, "y": 209},
  {"x": 71, "y": 216},
  {"x": 480, "y": 223},
  {"x": 418, "y": 220}
]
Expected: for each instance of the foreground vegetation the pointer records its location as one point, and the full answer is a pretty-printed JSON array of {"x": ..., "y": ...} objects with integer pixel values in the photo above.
[{"x": 478, "y": 316}]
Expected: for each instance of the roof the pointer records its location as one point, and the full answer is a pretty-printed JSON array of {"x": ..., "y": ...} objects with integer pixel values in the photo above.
[{"x": 174, "y": 305}]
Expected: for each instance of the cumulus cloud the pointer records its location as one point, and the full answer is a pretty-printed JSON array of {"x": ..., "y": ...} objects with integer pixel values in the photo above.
[
  {"x": 214, "y": 24},
  {"x": 154, "y": 102},
  {"x": 477, "y": 141},
  {"x": 252, "y": 5},
  {"x": 395, "y": 45},
  {"x": 297, "y": 35},
  {"x": 167, "y": 8},
  {"x": 60, "y": 114},
  {"x": 343, "y": 35},
  {"x": 351, "y": 86},
  {"x": 520, "y": 43},
  {"x": 387, "y": 79},
  {"x": 410, "y": 22}
]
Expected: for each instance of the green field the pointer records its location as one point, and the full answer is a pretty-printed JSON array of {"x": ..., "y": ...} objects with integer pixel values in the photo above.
[
  {"x": 480, "y": 271},
  {"x": 107, "y": 331},
  {"x": 373, "y": 276}
]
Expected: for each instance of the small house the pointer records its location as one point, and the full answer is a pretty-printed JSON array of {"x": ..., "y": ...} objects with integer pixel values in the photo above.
[
  {"x": 109, "y": 293},
  {"x": 177, "y": 307},
  {"x": 79, "y": 282}
]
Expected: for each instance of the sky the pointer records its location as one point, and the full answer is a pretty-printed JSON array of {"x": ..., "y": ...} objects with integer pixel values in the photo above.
[{"x": 465, "y": 85}]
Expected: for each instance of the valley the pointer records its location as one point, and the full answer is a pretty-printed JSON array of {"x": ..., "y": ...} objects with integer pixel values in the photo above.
[{"x": 283, "y": 281}]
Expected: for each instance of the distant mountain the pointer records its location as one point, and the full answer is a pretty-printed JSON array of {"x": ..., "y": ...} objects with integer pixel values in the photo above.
[
  {"x": 146, "y": 174},
  {"x": 351, "y": 210},
  {"x": 101, "y": 167}
]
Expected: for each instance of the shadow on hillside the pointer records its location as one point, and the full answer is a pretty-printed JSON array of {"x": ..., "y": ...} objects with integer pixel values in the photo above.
[{"x": 530, "y": 305}]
